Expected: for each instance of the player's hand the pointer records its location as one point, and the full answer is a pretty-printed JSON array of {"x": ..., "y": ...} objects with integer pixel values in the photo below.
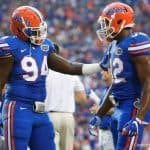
[
  {"x": 105, "y": 122},
  {"x": 93, "y": 125},
  {"x": 131, "y": 128}
]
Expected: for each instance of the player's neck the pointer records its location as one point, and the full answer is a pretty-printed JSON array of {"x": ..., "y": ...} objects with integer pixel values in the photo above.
[{"x": 124, "y": 33}]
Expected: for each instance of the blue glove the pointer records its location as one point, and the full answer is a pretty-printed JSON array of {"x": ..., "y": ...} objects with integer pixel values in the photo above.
[
  {"x": 131, "y": 128},
  {"x": 94, "y": 125}
]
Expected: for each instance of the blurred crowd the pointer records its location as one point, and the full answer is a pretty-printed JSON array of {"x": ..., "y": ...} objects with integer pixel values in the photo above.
[{"x": 71, "y": 24}]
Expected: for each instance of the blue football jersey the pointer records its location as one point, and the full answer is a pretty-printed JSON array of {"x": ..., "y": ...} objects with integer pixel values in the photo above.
[
  {"x": 27, "y": 79},
  {"x": 119, "y": 59}
]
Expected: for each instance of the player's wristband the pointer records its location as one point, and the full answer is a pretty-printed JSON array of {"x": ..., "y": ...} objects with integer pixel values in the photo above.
[{"x": 88, "y": 69}]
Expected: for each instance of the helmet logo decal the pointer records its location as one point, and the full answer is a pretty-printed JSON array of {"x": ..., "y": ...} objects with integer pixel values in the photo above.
[
  {"x": 17, "y": 18},
  {"x": 21, "y": 20},
  {"x": 116, "y": 10}
]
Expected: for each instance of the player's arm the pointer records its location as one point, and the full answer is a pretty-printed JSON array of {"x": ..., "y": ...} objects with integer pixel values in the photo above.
[
  {"x": 6, "y": 64},
  {"x": 106, "y": 105},
  {"x": 142, "y": 65},
  {"x": 59, "y": 64}
]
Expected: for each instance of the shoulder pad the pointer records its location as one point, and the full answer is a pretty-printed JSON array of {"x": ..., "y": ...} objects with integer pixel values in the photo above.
[{"x": 140, "y": 44}]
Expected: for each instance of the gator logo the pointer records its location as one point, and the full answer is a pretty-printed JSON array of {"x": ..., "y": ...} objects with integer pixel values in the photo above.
[
  {"x": 18, "y": 18},
  {"x": 119, "y": 51},
  {"x": 45, "y": 47},
  {"x": 116, "y": 10}
]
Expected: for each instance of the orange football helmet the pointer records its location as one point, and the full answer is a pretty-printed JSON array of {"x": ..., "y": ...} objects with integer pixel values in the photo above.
[
  {"x": 114, "y": 18},
  {"x": 27, "y": 23}
]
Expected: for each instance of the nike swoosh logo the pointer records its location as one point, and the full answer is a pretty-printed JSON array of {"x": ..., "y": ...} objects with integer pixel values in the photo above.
[
  {"x": 22, "y": 108},
  {"x": 23, "y": 50}
]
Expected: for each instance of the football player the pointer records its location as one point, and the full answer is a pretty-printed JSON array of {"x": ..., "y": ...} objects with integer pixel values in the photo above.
[
  {"x": 128, "y": 56},
  {"x": 24, "y": 61}
]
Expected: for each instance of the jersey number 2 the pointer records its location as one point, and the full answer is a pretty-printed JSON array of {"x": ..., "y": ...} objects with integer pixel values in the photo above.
[{"x": 117, "y": 69}]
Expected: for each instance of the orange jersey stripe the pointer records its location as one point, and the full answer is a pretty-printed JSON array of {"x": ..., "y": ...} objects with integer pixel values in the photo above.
[
  {"x": 12, "y": 127},
  {"x": 6, "y": 127}
]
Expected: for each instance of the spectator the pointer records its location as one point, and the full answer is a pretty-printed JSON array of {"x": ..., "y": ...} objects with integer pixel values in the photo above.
[{"x": 62, "y": 93}]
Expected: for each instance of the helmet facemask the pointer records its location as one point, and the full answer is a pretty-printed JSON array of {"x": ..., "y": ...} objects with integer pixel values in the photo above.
[
  {"x": 36, "y": 34},
  {"x": 104, "y": 31}
]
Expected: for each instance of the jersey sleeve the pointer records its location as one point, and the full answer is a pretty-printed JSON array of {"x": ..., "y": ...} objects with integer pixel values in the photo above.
[
  {"x": 5, "y": 50},
  {"x": 51, "y": 46},
  {"x": 140, "y": 45}
]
